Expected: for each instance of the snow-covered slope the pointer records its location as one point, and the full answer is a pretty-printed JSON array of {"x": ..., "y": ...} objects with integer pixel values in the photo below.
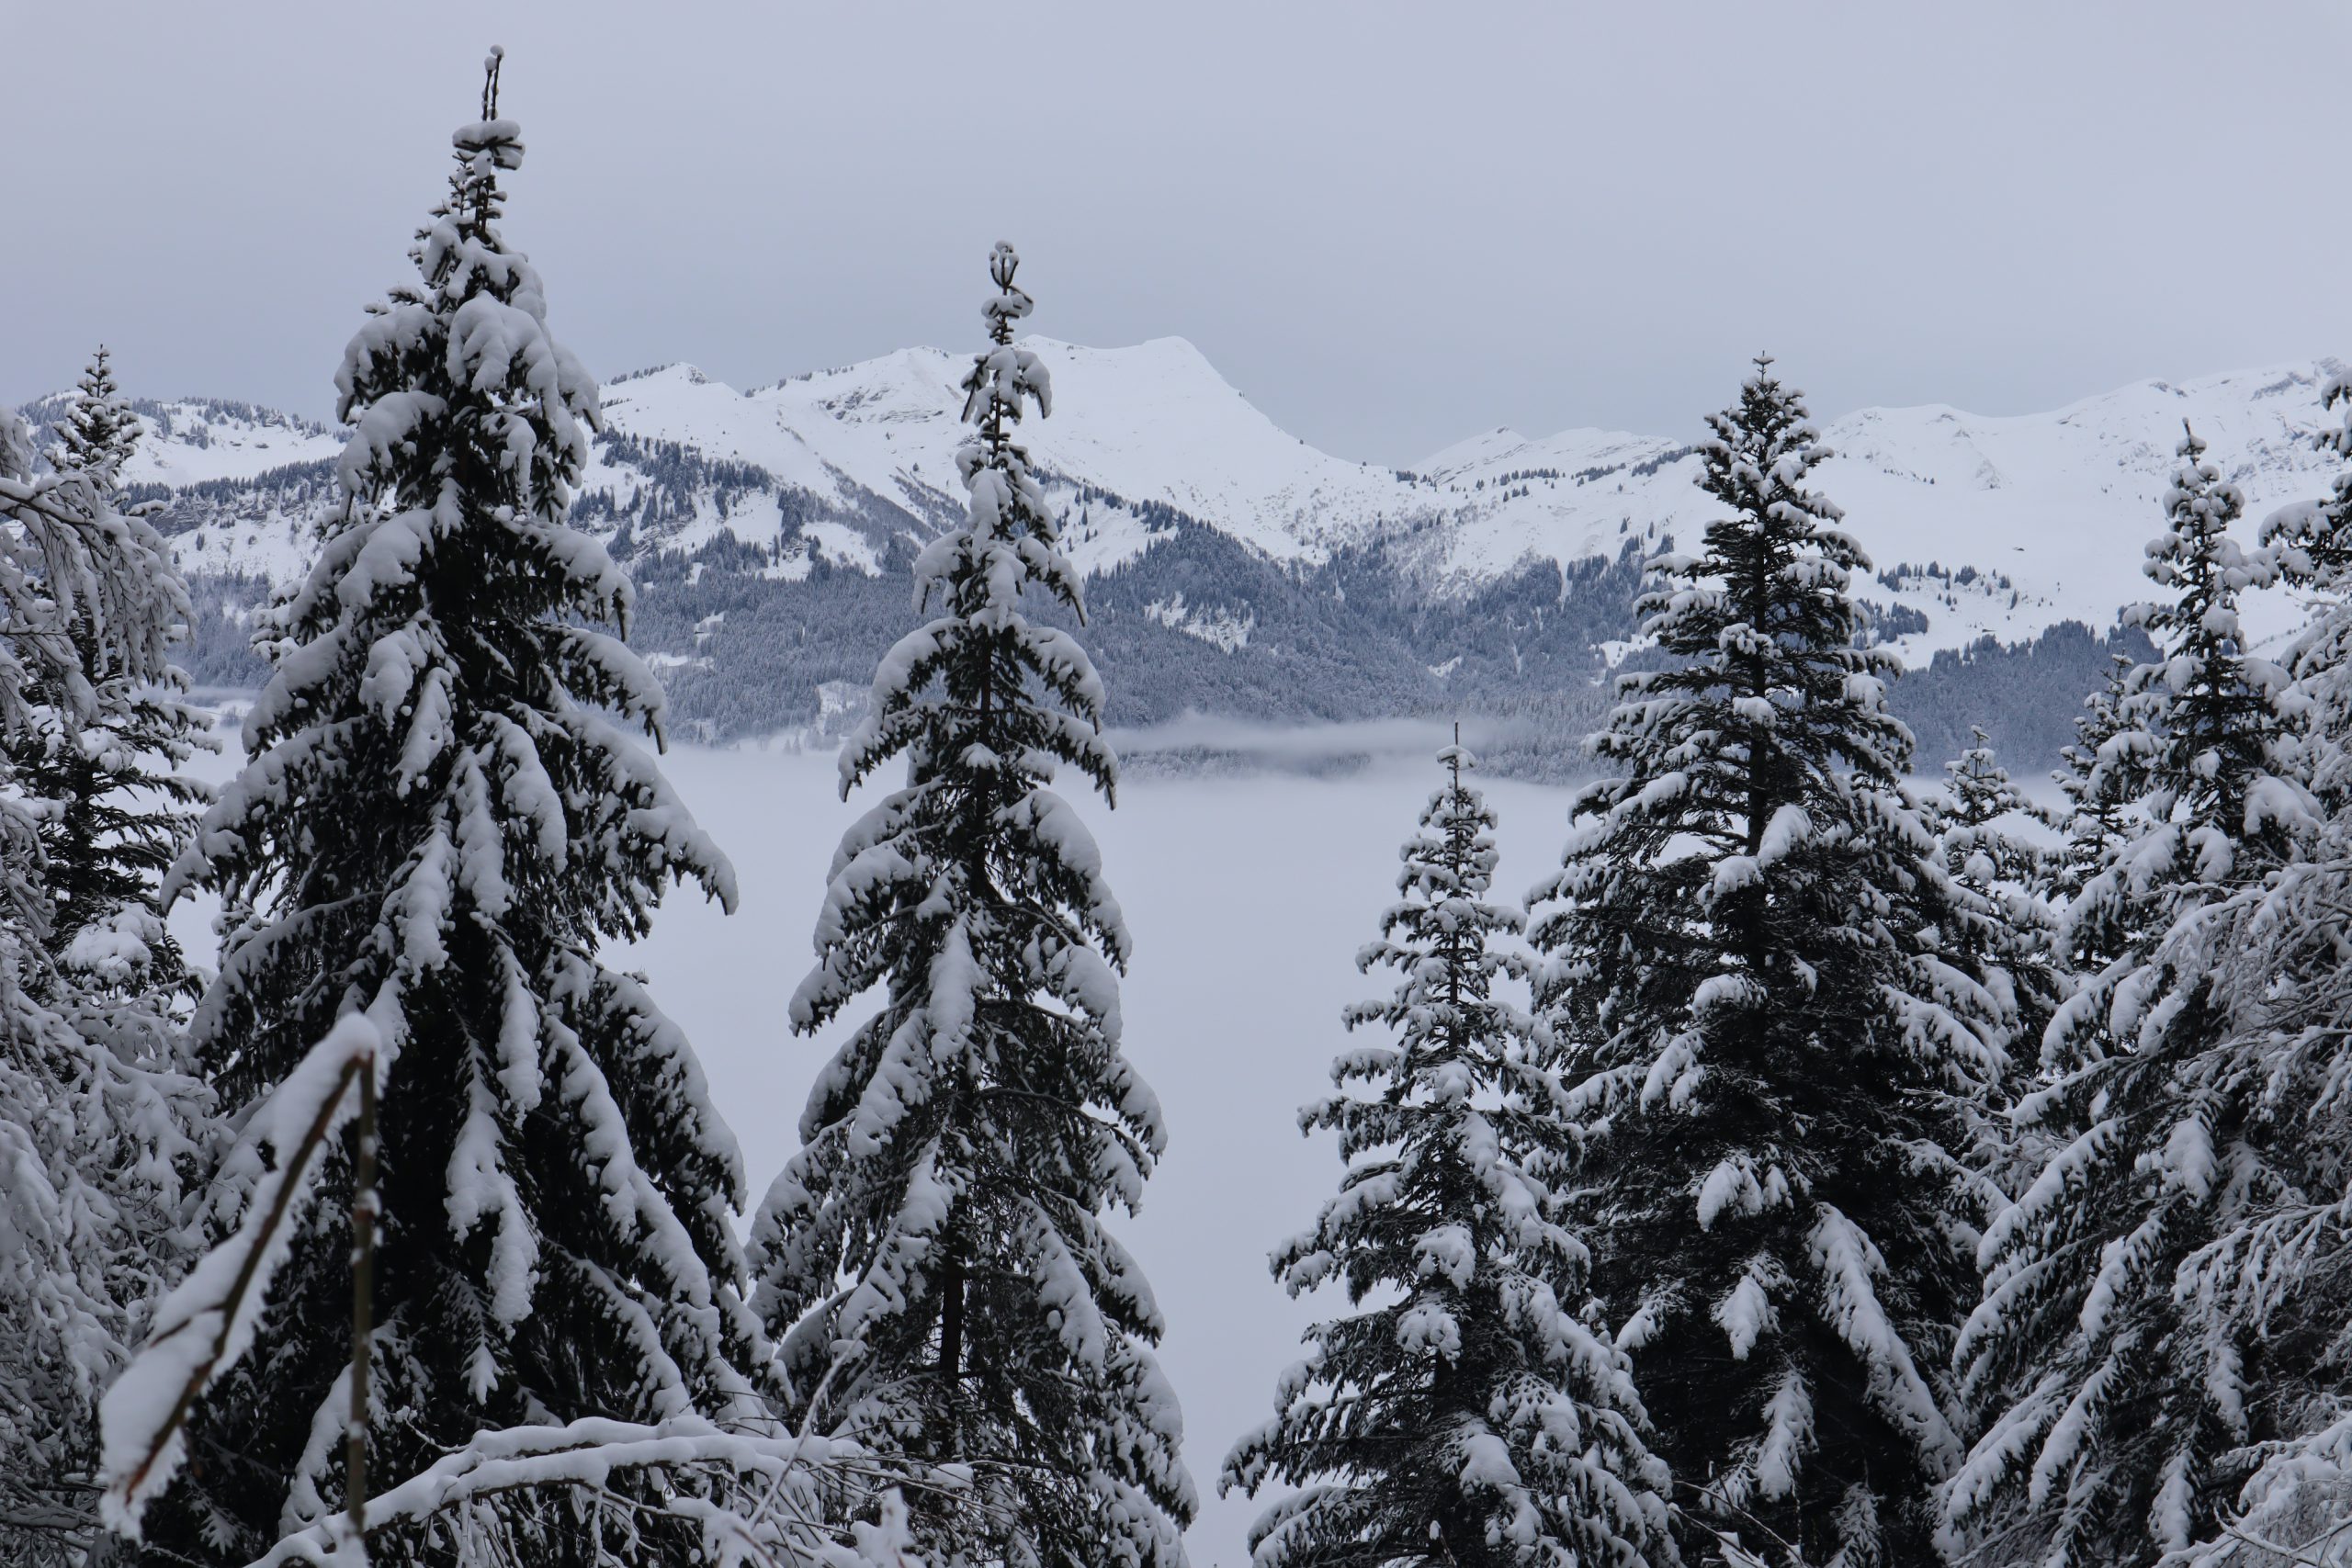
[
  {"x": 1995, "y": 526},
  {"x": 192, "y": 440},
  {"x": 1154, "y": 422},
  {"x": 1151, "y": 422},
  {"x": 1984, "y": 526},
  {"x": 2057, "y": 504}
]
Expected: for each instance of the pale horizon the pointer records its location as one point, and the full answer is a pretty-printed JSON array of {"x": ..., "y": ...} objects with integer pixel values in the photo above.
[{"x": 1387, "y": 236}]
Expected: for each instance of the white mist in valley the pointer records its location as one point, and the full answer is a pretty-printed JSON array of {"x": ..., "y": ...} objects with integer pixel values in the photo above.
[{"x": 1247, "y": 896}]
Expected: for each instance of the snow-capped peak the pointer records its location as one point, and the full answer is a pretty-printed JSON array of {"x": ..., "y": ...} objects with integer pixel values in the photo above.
[{"x": 1985, "y": 526}]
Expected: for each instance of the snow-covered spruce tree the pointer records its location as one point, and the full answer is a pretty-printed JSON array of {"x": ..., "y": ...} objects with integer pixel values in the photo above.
[
  {"x": 1467, "y": 1415},
  {"x": 120, "y": 807},
  {"x": 1978, "y": 839},
  {"x": 96, "y": 1124},
  {"x": 106, "y": 732},
  {"x": 2275, "y": 1273},
  {"x": 2249, "y": 1273},
  {"x": 1772, "y": 1059},
  {"x": 100, "y": 433},
  {"x": 943, "y": 1221},
  {"x": 2006, "y": 939},
  {"x": 2102, "y": 780},
  {"x": 2224, "y": 738},
  {"x": 2112, "y": 1398},
  {"x": 440, "y": 827}
]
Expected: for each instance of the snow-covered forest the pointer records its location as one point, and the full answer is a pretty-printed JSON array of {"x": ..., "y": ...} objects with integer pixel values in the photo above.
[{"x": 1842, "y": 1150}]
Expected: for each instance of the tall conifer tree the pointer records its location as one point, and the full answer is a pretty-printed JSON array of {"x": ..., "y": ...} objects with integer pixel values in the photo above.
[
  {"x": 1463, "y": 1414},
  {"x": 943, "y": 1220},
  {"x": 97, "y": 1124},
  {"x": 2275, "y": 1273},
  {"x": 103, "y": 733},
  {"x": 2224, "y": 740},
  {"x": 2112, "y": 1402},
  {"x": 120, "y": 807},
  {"x": 1745, "y": 985},
  {"x": 441, "y": 828}
]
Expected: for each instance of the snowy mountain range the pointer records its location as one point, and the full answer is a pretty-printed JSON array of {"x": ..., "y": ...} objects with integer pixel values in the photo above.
[{"x": 1238, "y": 570}]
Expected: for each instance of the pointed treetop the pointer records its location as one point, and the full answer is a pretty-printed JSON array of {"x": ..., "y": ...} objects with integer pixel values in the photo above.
[
  {"x": 2211, "y": 501},
  {"x": 1008, "y": 304},
  {"x": 490, "y": 144},
  {"x": 2201, "y": 505},
  {"x": 1456, "y": 758},
  {"x": 1003, "y": 377},
  {"x": 98, "y": 434},
  {"x": 1773, "y": 412}
]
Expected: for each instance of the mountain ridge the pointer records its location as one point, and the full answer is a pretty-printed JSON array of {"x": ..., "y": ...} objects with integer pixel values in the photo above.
[
  {"x": 1156, "y": 421},
  {"x": 1238, "y": 565}
]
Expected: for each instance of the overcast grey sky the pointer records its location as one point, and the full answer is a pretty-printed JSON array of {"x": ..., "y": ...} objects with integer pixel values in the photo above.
[{"x": 1390, "y": 226}]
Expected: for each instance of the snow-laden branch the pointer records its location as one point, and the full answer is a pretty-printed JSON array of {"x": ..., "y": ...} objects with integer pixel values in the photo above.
[
  {"x": 758, "y": 1500},
  {"x": 207, "y": 1323},
  {"x": 2296, "y": 1508}
]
